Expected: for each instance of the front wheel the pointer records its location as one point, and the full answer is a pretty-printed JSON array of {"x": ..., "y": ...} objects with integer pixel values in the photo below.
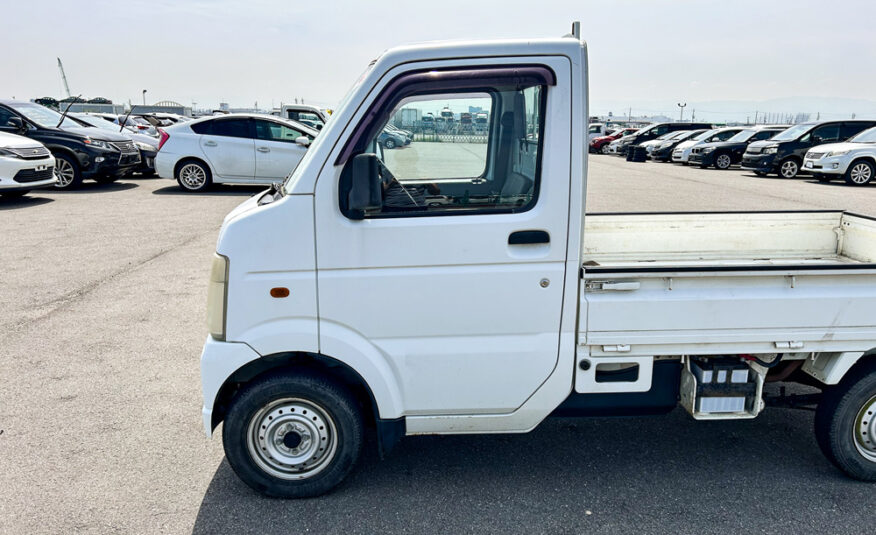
[
  {"x": 67, "y": 172},
  {"x": 293, "y": 435},
  {"x": 723, "y": 161},
  {"x": 860, "y": 173},
  {"x": 389, "y": 144},
  {"x": 789, "y": 168},
  {"x": 845, "y": 424},
  {"x": 604, "y": 149}
]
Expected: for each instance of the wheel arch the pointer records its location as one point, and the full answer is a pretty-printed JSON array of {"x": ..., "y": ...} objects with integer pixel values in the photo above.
[
  {"x": 185, "y": 159},
  {"x": 831, "y": 368}
]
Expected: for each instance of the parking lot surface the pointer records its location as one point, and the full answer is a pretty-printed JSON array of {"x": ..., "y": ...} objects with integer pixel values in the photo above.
[{"x": 101, "y": 325}]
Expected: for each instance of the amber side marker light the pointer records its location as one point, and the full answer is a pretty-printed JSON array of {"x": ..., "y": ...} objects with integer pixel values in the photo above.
[{"x": 279, "y": 292}]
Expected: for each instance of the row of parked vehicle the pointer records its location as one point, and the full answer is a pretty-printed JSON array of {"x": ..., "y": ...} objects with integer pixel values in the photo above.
[
  {"x": 827, "y": 150},
  {"x": 41, "y": 147}
]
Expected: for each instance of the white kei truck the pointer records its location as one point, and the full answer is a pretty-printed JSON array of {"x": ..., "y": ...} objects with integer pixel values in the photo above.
[{"x": 348, "y": 298}]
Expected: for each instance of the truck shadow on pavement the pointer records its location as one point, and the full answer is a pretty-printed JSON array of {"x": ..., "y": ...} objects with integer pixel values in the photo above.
[
  {"x": 647, "y": 475},
  {"x": 216, "y": 190}
]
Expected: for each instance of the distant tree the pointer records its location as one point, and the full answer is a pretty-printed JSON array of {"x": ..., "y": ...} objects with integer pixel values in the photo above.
[{"x": 99, "y": 100}]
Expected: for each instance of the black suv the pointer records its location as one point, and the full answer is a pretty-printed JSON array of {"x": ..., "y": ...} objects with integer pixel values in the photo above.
[
  {"x": 784, "y": 152},
  {"x": 79, "y": 153},
  {"x": 723, "y": 154},
  {"x": 654, "y": 131}
]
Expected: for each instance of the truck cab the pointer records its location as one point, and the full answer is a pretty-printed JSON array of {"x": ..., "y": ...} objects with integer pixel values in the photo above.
[{"x": 458, "y": 287}]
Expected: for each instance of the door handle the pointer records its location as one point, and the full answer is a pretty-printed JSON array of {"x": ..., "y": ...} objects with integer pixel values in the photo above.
[
  {"x": 210, "y": 143},
  {"x": 526, "y": 237},
  {"x": 264, "y": 149}
]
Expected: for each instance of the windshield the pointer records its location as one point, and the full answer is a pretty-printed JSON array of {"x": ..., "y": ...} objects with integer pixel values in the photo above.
[
  {"x": 326, "y": 132},
  {"x": 95, "y": 122},
  {"x": 792, "y": 133},
  {"x": 867, "y": 136},
  {"x": 706, "y": 135},
  {"x": 42, "y": 116},
  {"x": 743, "y": 135}
]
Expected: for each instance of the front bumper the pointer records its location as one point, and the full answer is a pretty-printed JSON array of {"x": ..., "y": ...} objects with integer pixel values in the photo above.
[
  {"x": 762, "y": 163},
  {"x": 17, "y": 174},
  {"x": 147, "y": 161},
  {"x": 680, "y": 155},
  {"x": 835, "y": 165},
  {"x": 108, "y": 163},
  {"x": 704, "y": 159},
  {"x": 219, "y": 360},
  {"x": 662, "y": 154}
]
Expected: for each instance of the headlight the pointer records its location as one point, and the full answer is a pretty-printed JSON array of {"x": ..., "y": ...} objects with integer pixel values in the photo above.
[
  {"x": 145, "y": 146},
  {"x": 708, "y": 150},
  {"x": 771, "y": 150},
  {"x": 837, "y": 153},
  {"x": 96, "y": 143},
  {"x": 8, "y": 154},
  {"x": 217, "y": 294}
]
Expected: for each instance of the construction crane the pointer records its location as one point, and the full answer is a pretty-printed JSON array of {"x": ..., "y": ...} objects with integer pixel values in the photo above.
[{"x": 63, "y": 77}]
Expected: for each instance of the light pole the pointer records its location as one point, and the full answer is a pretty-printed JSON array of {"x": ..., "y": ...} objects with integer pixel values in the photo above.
[
  {"x": 681, "y": 114},
  {"x": 144, "y": 97}
]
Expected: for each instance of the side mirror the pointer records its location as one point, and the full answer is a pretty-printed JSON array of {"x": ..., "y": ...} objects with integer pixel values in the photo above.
[
  {"x": 365, "y": 188},
  {"x": 17, "y": 124},
  {"x": 303, "y": 141}
]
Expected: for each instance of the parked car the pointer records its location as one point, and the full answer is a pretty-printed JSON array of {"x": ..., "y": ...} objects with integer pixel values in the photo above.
[
  {"x": 406, "y": 134},
  {"x": 650, "y": 145},
  {"x": 595, "y": 130},
  {"x": 236, "y": 148},
  {"x": 391, "y": 140},
  {"x": 682, "y": 151},
  {"x": 80, "y": 153},
  {"x": 305, "y": 114},
  {"x": 655, "y": 130},
  {"x": 723, "y": 154},
  {"x": 783, "y": 154},
  {"x": 25, "y": 164},
  {"x": 132, "y": 122},
  {"x": 663, "y": 151},
  {"x": 147, "y": 145},
  {"x": 601, "y": 144},
  {"x": 854, "y": 160}
]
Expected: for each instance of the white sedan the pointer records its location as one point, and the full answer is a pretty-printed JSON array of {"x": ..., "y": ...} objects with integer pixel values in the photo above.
[
  {"x": 854, "y": 160},
  {"x": 237, "y": 148},
  {"x": 25, "y": 164}
]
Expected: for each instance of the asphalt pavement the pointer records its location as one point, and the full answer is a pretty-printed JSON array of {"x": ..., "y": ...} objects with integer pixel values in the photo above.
[{"x": 101, "y": 325}]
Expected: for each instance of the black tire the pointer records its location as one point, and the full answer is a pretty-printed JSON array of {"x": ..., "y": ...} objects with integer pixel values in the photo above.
[
  {"x": 327, "y": 399},
  {"x": 68, "y": 165},
  {"x": 723, "y": 161},
  {"x": 106, "y": 179},
  {"x": 789, "y": 168},
  {"x": 860, "y": 173},
  {"x": 604, "y": 149},
  {"x": 14, "y": 194},
  {"x": 389, "y": 144},
  {"x": 193, "y": 176},
  {"x": 839, "y": 420}
]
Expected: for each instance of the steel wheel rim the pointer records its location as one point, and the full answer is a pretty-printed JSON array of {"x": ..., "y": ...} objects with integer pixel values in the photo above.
[
  {"x": 64, "y": 173},
  {"x": 604, "y": 149},
  {"x": 865, "y": 430},
  {"x": 192, "y": 176},
  {"x": 789, "y": 169},
  {"x": 723, "y": 161},
  {"x": 309, "y": 451},
  {"x": 861, "y": 173}
]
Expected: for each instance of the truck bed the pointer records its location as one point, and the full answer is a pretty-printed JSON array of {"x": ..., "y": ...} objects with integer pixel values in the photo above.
[{"x": 728, "y": 283}]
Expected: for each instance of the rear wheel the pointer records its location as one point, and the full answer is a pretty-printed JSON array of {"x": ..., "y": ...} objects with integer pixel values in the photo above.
[
  {"x": 293, "y": 435},
  {"x": 860, "y": 173},
  {"x": 723, "y": 161},
  {"x": 789, "y": 168},
  {"x": 194, "y": 176},
  {"x": 67, "y": 172},
  {"x": 845, "y": 423}
]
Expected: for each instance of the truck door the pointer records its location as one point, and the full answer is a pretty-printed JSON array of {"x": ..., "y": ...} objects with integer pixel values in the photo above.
[{"x": 457, "y": 280}]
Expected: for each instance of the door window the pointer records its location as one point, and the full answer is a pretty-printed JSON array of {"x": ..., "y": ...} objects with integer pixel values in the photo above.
[
  {"x": 224, "y": 127},
  {"x": 456, "y": 169},
  {"x": 823, "y": 134},
  {"x": 273, "y": 131},
  {"x": 5, "y": 115},
  {"x": 764, "y": 135}
]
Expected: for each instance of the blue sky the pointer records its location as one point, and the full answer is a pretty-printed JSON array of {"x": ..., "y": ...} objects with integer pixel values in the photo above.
[{"x": 644, "y": 54}]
